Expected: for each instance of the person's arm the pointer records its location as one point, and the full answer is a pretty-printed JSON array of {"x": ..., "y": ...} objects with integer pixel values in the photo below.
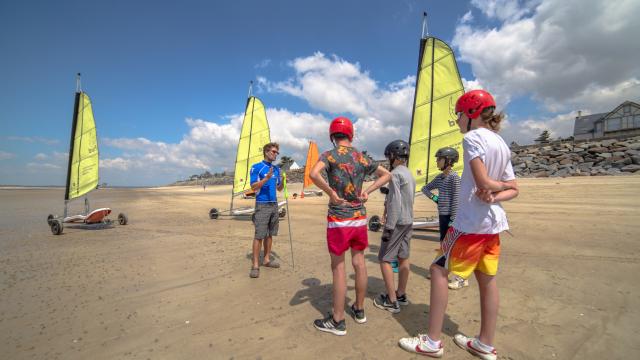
[
  {"x": 280, "y": 183},
  {"x": 426, "y": 190},
  {"x": 318, "y": 180},
  {"x": 394, "y": 202},
  {"x": 482, "y": 179},
  {"x": 383, "y": 176},
  {"x": 509, "y": 194},
  {"x": 256, "y": 184},
  {"x": 455, "y": 194}
]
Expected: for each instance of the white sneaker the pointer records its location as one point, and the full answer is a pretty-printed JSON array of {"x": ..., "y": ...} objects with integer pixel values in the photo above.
[
  {"x": 457, "y": 283},
  {"x": 420, "y": 345},
  {"x": 471, "y": 345}
]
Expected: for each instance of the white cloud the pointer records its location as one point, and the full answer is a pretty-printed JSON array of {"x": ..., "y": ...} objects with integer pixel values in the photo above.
[
  {"x": 525, "y": 131},
  {"x": 338, "y": 87},
  {"x": 262, "y": 64},
  {"x": 40, "y": 156},
  {"x": 568, "y": 54},
  {"x": 467, "y": 17},
  {"x": 505, "y": 10},
  {"x": 6, "y": 155},
  {"x": 42, "y": 166},
  {"x": 34, "y": 139}
]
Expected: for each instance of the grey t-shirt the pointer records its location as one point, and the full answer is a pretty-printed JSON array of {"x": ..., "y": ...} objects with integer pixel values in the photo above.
[{"x": 399, "y": 202}]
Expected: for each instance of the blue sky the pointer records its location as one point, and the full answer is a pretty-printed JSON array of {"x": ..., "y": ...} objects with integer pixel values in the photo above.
[{"x": 168, "y": 82}]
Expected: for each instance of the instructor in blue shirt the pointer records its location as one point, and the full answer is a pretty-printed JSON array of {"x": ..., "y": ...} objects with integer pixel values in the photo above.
[{"x": 265, "y": 180}]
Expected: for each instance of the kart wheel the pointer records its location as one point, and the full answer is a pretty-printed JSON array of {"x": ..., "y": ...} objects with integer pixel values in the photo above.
[
  {"x": 49, "y": 219},
  {"x": 282, "y": 212},
  {"x": 122, "y": 219},
  {"x": 374, "y": 223},
  {"x": 213, "y": 214},
  {"x": 56, "y": 227}
]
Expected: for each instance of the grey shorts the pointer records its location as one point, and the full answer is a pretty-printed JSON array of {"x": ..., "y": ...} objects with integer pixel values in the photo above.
[
  {"x": 398, "y": 244},
  {"x": 265, "y": 219}
]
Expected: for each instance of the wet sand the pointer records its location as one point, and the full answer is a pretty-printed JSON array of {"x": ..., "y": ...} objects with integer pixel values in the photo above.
[{"x": 174, "y": 285}]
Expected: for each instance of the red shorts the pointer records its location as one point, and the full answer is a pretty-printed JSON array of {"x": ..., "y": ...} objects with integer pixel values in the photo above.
[{"x": 343, "y": 234}]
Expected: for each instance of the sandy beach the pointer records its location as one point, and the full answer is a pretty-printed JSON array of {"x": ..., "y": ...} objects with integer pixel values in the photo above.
[{"x": 174, "y": 284}]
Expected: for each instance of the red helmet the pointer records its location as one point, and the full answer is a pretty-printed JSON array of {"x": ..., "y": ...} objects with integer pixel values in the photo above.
[
  {"x": 472, "y": 103},
  {"x": 341, "y": 125}
]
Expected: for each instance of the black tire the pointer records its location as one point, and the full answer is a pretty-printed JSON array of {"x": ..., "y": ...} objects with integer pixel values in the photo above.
[
  {"x": 56, "y": 227},
  {"x": 374, "y": 223},
  {"x": 213, "y": 214},
  {"x": 49, "y": 219},
  {"x": 282, "y": 212},
  {"x": 123, "y": 219}
]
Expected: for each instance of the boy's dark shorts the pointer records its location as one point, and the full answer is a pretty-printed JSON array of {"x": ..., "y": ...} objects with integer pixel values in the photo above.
[{"x": 398, "y": 244}]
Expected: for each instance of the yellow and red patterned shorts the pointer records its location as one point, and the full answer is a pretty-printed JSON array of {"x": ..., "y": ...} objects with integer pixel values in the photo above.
[{"x": 463, "y": 253}]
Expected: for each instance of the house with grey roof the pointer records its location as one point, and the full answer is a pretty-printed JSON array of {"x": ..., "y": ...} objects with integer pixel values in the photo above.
[{"x": 623, "y": 121}]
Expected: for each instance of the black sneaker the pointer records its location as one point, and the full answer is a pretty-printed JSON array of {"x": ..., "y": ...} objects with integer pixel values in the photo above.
[
  {"x": 358, "y": 315},
  {"x": 329, "y": 325},
  {"x": 383, "y": 302},
  {"x": 402, "y": 300}
]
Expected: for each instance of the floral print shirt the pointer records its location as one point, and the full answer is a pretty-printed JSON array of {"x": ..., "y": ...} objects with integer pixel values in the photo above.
[{"x": 346, "y": 170}]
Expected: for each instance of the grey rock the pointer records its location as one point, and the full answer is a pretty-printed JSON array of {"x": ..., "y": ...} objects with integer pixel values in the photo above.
[{"x": 631, "y": 168}]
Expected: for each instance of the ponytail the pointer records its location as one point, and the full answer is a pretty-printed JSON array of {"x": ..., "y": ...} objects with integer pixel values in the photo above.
[{"x": 492, "y": 120}]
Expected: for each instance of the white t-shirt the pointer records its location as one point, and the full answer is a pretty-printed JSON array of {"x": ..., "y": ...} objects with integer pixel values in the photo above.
[{"x": 474, "y": 215}]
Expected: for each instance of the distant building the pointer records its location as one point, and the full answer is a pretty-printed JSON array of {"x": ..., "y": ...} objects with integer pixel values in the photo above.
[{"x": 623, "y": 121}]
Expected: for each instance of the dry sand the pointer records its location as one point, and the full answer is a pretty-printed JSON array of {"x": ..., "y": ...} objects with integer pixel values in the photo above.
[{"x": 174, "y": 285}]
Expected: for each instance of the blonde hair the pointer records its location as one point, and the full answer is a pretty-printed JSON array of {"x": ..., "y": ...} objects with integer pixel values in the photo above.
[
  {"x": 491, "y": 119},
  {"x": 269, "y": 146}
]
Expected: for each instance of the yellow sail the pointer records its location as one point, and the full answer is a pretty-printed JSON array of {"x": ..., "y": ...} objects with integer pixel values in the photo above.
[
  {"x": 82, "y": 172},
  {"x": 253, "y": 136},
  {"x": 312, "y": 159},
  {"x": 433, "y": 126}
]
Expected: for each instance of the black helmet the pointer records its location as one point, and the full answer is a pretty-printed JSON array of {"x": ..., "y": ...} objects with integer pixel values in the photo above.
[
  {"x": 448, "y": 153},
  {"x": 397, "y": 148}
]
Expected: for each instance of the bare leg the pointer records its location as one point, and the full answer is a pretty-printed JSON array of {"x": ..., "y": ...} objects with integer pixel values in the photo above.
[
  {"x": 267, "y": 249},
  {"x": 257, "y": 244},
  {"x": 489, "y": 301},
  {"x": 438, "y": 301},
  {"x": 389, "y": 282},
  {"x": 339, "y": 286},
  {"x": 403, "y": 275},
  {"x": 357, "y": 260}
]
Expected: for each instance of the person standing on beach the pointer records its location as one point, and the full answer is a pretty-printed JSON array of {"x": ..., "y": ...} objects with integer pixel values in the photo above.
[
  {"x": 448, "y": 185},
  {"x": 346, "y": 169},
  {"x": 265, "y": 178},
  {"x": 398, "y": 227},
  {"x": 472, "y": 244}
]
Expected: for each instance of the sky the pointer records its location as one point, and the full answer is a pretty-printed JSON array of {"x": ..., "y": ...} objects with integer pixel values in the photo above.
[{"x": 169, "y": 80}]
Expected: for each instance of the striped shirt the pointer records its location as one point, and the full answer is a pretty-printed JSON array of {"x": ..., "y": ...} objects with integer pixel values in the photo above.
[{"x": 448, "y": 192}]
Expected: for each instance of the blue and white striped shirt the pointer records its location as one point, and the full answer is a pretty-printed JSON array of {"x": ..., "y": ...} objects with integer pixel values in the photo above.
[{"x": 448, "y": 192}]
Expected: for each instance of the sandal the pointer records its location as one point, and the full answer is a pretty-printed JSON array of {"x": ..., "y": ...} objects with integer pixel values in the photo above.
[
  {"x": 272, "y": 264},
  {"x": 254, "y": 273}
]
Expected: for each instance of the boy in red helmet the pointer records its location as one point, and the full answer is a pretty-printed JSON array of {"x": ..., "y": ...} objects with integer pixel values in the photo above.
[
  {"x": 346, "y": 169},
  {"x": 472, "y": 243}
]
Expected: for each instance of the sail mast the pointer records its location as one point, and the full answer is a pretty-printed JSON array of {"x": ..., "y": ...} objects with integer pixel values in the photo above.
[
  {"x": 74, "y": 122},
  {"x": 424, "y": 25}
]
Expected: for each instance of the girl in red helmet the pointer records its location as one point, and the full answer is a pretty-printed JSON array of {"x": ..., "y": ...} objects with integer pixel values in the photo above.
[
  {"x": 346, "y": 169},
  {"x": 472, "y": 243}
]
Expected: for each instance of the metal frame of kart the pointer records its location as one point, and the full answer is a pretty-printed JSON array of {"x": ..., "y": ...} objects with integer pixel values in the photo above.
[
  {"x": 214, "y": 213},
  {"x": 78, "y": 221},
  {"x": 429, "y": 223}
]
